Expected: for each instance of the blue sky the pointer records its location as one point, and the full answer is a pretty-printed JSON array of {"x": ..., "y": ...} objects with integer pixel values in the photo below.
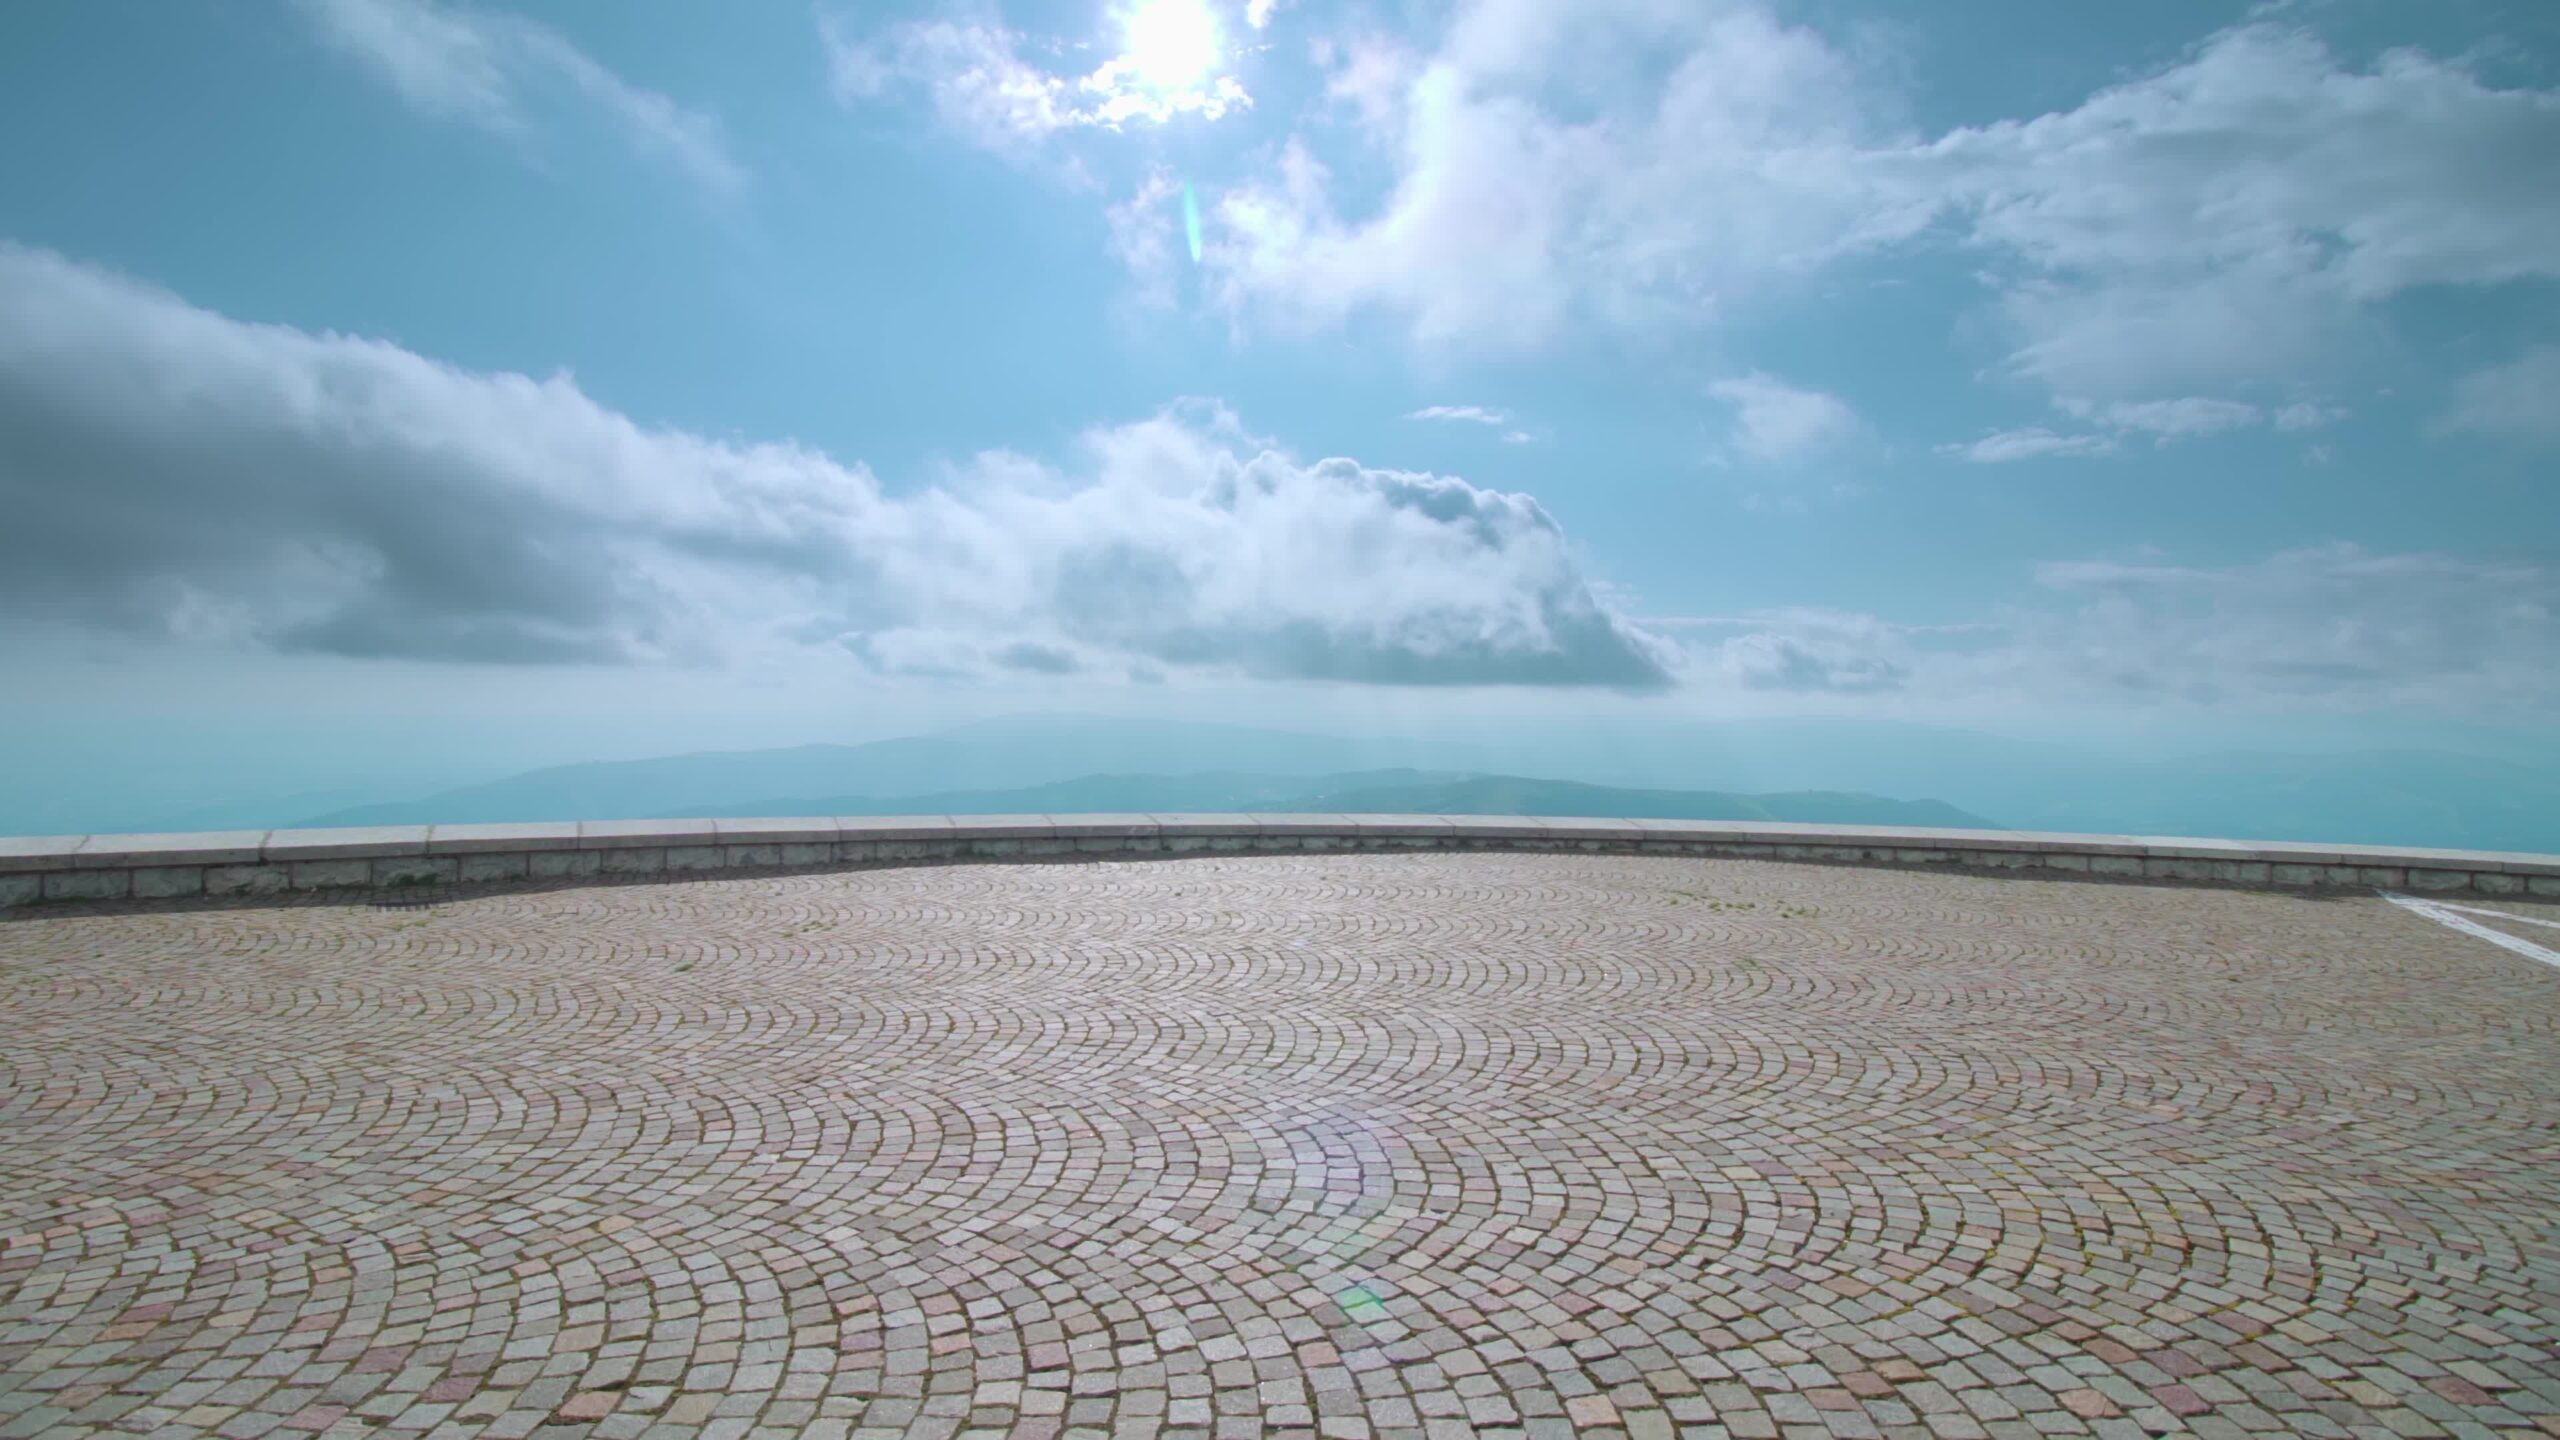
[{"x": 840, "y": 369}]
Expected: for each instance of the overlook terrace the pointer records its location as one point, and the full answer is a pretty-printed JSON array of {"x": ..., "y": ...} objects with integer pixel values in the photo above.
[
  {"x": 1519, "y": 1129},
  {"x": 250, "y": 862}
]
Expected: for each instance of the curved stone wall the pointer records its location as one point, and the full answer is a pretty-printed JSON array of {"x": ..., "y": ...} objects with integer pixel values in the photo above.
[{"x": 40, "y": 869}]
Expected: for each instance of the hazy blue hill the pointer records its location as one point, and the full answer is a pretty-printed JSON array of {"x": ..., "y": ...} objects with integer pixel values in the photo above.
[
  {"x": 1050, "y": 764},
  {"x": 1521, "y": 795},
  {"x": 1368, "y": 792},
  {"x": 994, "y": 755},
  {"x": 1085, "y": 795}
]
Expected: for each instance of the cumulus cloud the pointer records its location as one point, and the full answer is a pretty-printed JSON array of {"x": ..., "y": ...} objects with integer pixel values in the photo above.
[
  {"x": 2235, "y": 213},
  {"x": 168, "y": 470},
  {"x": 985, "y": 88},
  {"x": 490, "y": 70},
  {"x": 2233, "y": 218},
  {"x": 2519, "y": 400},
  {"x": 1508, "y": 212},
  {"x": 1775, "y": 423}
]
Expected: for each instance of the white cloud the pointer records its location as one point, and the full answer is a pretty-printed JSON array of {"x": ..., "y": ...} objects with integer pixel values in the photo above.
[
  {"x": 1806, "y": 649},
  {"x": 168, "y": 470},
  {"x": 1476, "y": 415},
  {"x": 2032, "y": 443},
  {"x": 1505, "y": 217},
  {"x": 1776, "y": 423},
  {"x": 2181, "y": 419},
  {"x": 2331, "y": 625},
  {"x": 1257, "y": 13},
  {"x": 2519, "y": 400},
  {"x": 481, "y": 68},
  {"x": 2232, "y": 219},
  {"x": 2233, "y": 214},
  {"x": 1144, "y": 229},
  {"x": 982, "y": 85},
  {"x": 2164, "y": 422},
  {"x": 1468, "y": 414}
]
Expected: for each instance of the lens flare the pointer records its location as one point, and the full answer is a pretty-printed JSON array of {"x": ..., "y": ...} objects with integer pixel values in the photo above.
[
  {"x": 1191, "y": 220},
  {"x": 1361, "y": 1303}
]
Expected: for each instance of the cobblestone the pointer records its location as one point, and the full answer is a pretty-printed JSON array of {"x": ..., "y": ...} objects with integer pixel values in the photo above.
[{"x": 1360, "y": 1145}]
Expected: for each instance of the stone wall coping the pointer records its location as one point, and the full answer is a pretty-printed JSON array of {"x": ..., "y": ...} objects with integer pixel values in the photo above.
[
  {"x": 499, "y": 838},
  {"x": 489, "y": 849},
  {"x": 133, "y": 852},
  {"x": 645, "y": 834},
  {"x": 357, "y": 842},
  {"x": 778, "y": 830}
]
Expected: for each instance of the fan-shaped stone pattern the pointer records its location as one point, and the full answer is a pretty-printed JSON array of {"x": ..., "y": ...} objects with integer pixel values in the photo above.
[{"x": 1404, "y": 1145}]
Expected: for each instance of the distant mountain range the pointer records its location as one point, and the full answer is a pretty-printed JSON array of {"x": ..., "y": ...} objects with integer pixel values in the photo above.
[
  {"x": 1820, "y": 770},
  {"x": 1369, "y": 792}
]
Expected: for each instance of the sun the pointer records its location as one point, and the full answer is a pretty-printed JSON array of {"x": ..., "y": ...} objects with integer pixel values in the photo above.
[{"x": 1172, "y": 44}]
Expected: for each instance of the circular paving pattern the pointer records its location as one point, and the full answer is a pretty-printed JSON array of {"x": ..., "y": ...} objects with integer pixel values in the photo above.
[{"x": 1340, "y": 1145}]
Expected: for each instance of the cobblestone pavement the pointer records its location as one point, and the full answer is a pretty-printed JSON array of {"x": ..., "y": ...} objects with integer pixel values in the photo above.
[{"x": 1396, "y": 1145}]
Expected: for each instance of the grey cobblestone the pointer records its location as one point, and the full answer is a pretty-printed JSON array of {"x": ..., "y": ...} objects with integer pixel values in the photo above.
[{"x": 1353, "y": 1145}]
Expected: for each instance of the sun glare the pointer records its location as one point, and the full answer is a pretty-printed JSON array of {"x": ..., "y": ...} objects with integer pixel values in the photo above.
[{"x": 1172, "y": 44}]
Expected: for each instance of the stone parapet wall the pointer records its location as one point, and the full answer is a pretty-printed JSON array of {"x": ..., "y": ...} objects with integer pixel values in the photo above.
[{"x": 38, "y": 869}]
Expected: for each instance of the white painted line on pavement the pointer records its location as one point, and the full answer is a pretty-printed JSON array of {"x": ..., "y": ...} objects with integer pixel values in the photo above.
[
  {"x": 2500, "y": 914},
  {"x": 2444, "y": 915}
]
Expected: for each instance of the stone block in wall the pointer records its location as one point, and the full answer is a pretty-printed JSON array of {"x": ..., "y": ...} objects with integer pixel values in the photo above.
[
  {"x": 2304, "y": 876},
  {"x": 2115, "y": 865},
  {"x": 750, "y": 856},
  {"x": 2387, "y": 877},
  {"x": 2060, "y": 860},
  {"x": 2542, "y": 884},
  {"x": 639, "y": 860},
  {"x": 2439, "y": 879},
  {"x": 88, "y": 884},
  {"x": 19, "y": 889},
  {"x": 476, "y": 869},
  {"x": 564, "y": 864},
  {"x": 416, "y": 870},
  {"x": 808, "y": 853},
  {"x": 331, "y": 874},
  {"x": 246, "y": 879},
  {"x": 167, "y": 882},
  {"x": 695, "y": 857},
  {"x": 2490, "y": 882}
]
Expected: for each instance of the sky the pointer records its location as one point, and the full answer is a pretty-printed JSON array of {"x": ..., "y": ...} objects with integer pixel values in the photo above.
[{"x": 400, "y": 383}]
